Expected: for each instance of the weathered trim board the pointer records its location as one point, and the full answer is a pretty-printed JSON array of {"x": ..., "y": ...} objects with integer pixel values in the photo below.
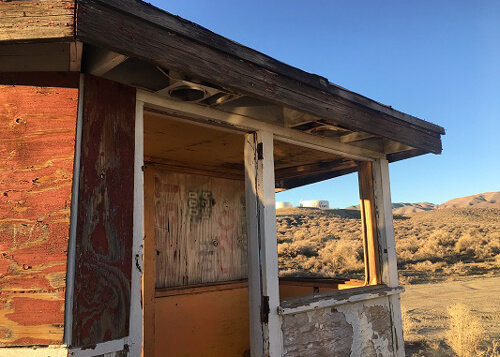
[
  {"x": 23, "y": 21},
  {"x": 105, "y": 214},
  {"x": 37, "y": 140}
]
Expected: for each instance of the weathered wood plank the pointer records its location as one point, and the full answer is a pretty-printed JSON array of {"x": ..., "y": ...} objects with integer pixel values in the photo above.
[
  {"x": 134, "y": 37},
  {"x": 105, "y": 214},
  {"x": 385, "y": 226},
  {"x": 200, "y": 229},
  {"x": 29, "y": 20},
  {"x": 172, "y": 23},
  {"x": 37, "y": 138},
  {"x": 263, "y": 281},
  {"x": 369, "y": 224},
  {"x": 135, "y": 339},
  {"x": 334, "y": 298},
  {"x": 254, "y": 270}
]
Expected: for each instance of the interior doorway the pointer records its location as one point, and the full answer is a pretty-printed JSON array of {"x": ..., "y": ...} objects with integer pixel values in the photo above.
[{"x": 195, "y": 253}]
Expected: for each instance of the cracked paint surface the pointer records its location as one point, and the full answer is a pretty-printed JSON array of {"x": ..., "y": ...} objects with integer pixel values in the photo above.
[
  {"x": 350, "y": 330},
  {"x": 37, "y": 140}
]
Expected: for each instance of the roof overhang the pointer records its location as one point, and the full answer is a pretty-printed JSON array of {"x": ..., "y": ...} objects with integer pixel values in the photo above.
[{"x": 135, "y": 43}]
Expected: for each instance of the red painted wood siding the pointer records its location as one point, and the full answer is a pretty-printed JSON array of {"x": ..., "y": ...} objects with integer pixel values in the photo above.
[
  {"x": 37, "y": 140},
  {"x": 105, "y": 214}
]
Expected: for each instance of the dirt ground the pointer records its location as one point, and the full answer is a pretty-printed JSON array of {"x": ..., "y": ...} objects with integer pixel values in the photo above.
[{"x": 426, "y": 305}]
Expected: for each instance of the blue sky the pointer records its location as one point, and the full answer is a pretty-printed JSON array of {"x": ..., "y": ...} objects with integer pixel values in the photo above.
[{"x": 435, "y": 59}]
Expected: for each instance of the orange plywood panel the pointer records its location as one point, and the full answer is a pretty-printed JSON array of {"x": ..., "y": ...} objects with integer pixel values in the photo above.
[{"x": 209, "y": 324}]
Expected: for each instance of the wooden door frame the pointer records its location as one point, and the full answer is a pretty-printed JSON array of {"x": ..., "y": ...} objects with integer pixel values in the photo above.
[{"x": 265, "y": 333}]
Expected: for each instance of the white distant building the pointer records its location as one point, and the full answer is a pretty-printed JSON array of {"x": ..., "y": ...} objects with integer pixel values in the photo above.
[
  {"x": 321, "y": 204},
  {"x": 283, "y": 204}
]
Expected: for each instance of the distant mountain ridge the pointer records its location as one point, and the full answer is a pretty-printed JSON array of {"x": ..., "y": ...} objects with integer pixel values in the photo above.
[{"x": 481, "y": 200}]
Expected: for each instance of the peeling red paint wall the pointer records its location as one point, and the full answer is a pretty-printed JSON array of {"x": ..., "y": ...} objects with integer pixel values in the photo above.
[
  {"x": 105, "y": 214},
  {"x": 37, "y": 140}
]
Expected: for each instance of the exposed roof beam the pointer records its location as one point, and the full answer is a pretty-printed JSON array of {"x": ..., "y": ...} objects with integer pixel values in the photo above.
[
  {"x": 315, "y": 168},
  {"x": 101, "y": 62},
  {"x": 352, "y": 137},
  {"x": 286, "y": 184},
  {"x": 75, "y": 56}
]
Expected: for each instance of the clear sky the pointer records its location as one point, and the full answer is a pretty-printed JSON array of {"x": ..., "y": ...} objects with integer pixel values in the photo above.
[{"x": 438, "y": 60}]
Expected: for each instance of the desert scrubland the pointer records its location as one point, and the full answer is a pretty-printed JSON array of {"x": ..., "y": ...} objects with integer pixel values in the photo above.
[{"x": 448, "y": 258}]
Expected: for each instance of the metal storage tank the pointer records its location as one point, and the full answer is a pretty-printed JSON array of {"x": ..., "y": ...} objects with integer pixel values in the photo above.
[
  {"x": 321, "y": 204},
  {"x": 283, "y": 204}
]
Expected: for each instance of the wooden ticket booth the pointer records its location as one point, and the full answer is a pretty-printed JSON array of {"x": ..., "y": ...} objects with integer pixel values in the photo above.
[{"x": 140, "y": 155}]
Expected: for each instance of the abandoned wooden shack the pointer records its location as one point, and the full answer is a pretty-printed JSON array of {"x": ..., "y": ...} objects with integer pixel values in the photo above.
[{"x": 139, "y": 159}]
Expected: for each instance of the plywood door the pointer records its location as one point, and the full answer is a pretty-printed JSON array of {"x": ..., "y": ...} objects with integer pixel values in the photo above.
[{"x": 200, "y": 229}]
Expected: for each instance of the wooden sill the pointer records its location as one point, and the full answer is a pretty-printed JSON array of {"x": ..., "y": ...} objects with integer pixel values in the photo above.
[
  {"x": 334, "y": 298},
  {"x": 201, "y": 288},
  {"x": 237, "y": 284}
]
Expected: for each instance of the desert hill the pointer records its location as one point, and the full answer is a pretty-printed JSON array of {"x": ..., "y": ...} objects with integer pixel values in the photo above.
[
  {"x": 405, "y": 208},
  {"x": 481, "y": 200}
]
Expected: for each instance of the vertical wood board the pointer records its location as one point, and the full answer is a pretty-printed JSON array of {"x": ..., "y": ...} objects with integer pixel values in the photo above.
[
  {"x": 265, "y": 323},
  {"x": 105, "y": 214},
  {"x": 200, "y": 229},
  {"x": 37, "y": 139}
]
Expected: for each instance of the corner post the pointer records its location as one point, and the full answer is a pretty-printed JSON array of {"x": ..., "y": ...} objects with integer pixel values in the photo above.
[
  {"x": 135, "y": 325},
  {"x": 387, "y": 247},
  {"x": 265, "y": 322},
  {"x": 371, "y": 245},
  {"x": 71, "y": 263}
]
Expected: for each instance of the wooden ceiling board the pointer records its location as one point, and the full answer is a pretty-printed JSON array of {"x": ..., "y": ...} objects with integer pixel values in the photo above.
[
  {"x": 288, "y": 155},
  {"x": 176, "y": 140}
]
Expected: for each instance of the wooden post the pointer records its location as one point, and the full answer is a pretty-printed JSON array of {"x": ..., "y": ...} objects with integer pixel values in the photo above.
[
  {"x": 149, "y": 277},
  {"x": 265, "y": 322},
  {"x": 70, "y": 270},
  {"x": 385, "y": 227},
  {"x": 136, "y": 307},
  {"x": 369, "y": 224}
]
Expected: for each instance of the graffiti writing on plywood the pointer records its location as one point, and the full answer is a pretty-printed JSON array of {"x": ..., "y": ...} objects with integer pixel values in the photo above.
[{"x": 200, "y": 204}]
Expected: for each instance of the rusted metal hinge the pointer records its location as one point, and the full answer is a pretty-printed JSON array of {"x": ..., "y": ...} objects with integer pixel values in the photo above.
[{"x": 264, "y": 309}]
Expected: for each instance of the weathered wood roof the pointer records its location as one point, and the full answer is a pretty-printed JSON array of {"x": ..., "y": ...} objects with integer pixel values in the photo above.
[{"x": 141, "y": 31}]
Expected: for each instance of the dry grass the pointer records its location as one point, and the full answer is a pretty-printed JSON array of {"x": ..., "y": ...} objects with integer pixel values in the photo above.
[
  {"x": 431, "y": 246},
  {"x": 466, "y": 334}
]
